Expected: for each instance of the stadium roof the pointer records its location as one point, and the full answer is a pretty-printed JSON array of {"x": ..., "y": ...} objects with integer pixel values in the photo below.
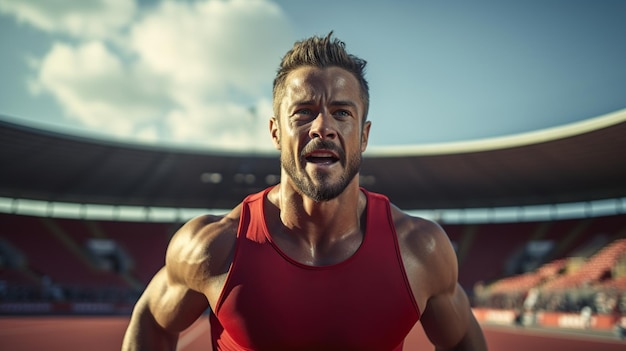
[{"x": 583, "y": 161}]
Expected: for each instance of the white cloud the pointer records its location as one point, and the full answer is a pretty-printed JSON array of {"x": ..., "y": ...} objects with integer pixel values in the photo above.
[
  {"x": 90, "y": 19},
  {"x": 97, "y": 89},
  {"x": 187, "y": 72},
  {"x": 213, "y": 47},
  {"x": 230, "y": 126}
]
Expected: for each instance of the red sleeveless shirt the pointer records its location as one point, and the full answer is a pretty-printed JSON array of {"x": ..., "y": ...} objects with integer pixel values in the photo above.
[{"x": 272, "y": 302}]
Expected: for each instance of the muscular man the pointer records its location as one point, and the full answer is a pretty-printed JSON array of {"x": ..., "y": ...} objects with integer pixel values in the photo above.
[{"x": 315, "y": 262}]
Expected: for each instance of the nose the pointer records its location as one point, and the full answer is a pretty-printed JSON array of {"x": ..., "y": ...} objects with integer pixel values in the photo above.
[{"x": 323, "y": 127}]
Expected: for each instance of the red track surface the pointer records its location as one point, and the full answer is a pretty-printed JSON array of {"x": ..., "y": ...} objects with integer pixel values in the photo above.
[{"x": 105, "y": 333}]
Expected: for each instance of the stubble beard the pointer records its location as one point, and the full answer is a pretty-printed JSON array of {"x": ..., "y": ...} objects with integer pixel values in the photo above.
[{"x": 321, "y": 188}]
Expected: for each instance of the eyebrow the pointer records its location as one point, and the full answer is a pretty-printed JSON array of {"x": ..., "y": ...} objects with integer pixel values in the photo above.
[
  {"x": 336, "y": 103},
  {"x": 302, "y": 102},
  {"x": 344, "y": 103},
  {"x": 332, "y": 103}
]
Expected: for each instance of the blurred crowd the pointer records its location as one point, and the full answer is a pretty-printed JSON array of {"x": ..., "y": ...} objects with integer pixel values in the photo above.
[
  {"x": 599, "y": 300},
  {"x": 48, "y": 291}
]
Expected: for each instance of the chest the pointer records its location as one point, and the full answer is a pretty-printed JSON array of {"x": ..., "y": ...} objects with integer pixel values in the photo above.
[{"x": 271, "y": 302}]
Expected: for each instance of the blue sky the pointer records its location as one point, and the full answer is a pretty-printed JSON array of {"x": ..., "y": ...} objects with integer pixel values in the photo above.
[{"x": 199, "y": 73}]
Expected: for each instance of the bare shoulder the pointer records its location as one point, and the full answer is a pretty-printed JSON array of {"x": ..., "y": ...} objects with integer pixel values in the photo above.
[
  {"x": 424, "y": 236},
  {"x": 202, "y": 249},
  {"x": 427, "y": 253},
  {"x": 432, "y": 270}
]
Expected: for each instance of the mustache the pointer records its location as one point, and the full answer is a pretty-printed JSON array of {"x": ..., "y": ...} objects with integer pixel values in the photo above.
[{"x": 323, "y": 144}]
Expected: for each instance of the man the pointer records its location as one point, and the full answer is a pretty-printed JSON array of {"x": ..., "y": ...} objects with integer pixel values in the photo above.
[{"x": 315, "y": 262}]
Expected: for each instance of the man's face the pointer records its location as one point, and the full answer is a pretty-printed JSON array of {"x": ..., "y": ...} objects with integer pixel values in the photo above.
[{"x": 319, "y": 131}]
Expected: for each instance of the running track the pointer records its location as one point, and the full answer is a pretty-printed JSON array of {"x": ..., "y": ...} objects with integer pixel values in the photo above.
[{"x": 105, "y": 334}]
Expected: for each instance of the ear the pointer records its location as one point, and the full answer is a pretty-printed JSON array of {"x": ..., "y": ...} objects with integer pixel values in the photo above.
[
  {"x": 365, "y": 134},
  {"x": 275, "y": 132}
]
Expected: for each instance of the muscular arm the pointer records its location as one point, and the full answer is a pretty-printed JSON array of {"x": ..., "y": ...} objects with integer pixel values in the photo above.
[
  {"x": 450, "y": 324},
  {"x": 448, "y": 319},
  {"x": 432, "y": 269},
  {"x": 161, "y": 313},
  {"x": 177, "y": 294}
]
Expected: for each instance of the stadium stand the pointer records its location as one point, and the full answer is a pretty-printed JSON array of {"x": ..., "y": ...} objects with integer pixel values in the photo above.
[
  {"x": 144, "y": 242},
  {"x": 535, "y": 273},
  {"x": 585, "y": 270},
  {"x": 482, "y": 245},
  {"x": 50, "y": 252},
  {"x": 593, "y": 270},
  {"x": 56, "y": 250},
  {"x": 44, "y": 258}
]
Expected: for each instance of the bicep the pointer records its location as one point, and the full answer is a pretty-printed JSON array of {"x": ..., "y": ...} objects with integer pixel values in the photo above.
[{"x": 447, "y": 317}]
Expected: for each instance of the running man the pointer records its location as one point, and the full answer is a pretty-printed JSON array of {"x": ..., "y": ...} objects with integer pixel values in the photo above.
[{"x": 316, "y": 262}]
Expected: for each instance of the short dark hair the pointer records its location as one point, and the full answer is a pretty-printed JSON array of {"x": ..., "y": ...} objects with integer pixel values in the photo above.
[{"x": 320, "y": 52}]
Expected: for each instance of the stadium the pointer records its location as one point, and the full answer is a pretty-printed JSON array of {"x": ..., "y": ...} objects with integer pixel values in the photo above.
[{"x": 538, "y": 221}]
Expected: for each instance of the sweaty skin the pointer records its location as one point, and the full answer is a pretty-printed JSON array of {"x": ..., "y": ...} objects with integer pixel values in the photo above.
[{"x": 315, "y": 215}]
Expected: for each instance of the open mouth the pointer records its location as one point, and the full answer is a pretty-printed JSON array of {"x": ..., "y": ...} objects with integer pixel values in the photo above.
[{"x": 322, "y": 157}]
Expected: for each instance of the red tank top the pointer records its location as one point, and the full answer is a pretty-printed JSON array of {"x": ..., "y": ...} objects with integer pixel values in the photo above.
[{"x": 272, "y": 302}]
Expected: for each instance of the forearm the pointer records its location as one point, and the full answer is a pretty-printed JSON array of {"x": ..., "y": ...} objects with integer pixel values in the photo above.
[
  {"x": 473, "y": 340},
  {"x": 144, "y": 333}
]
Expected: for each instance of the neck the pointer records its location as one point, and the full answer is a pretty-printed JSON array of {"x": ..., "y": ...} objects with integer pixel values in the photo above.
[{"x": 319, "y": 222}]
